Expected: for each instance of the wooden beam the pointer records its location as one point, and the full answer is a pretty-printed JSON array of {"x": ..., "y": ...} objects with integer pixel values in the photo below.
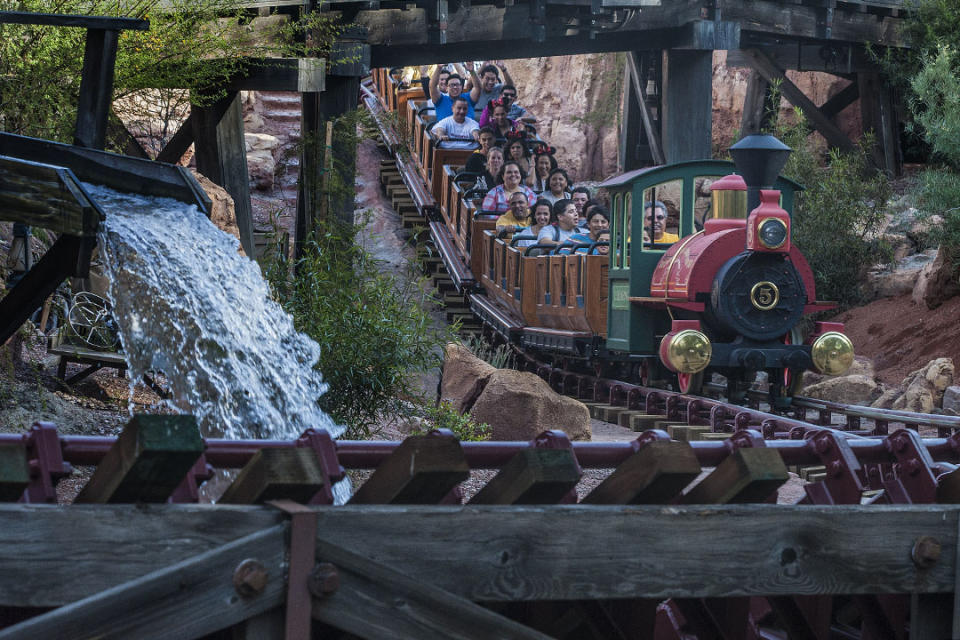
[
  {"x": 375, "y": 601},
  {"x": 178, "y": 144},
  {"x": 149, "y": 459},
  {"x": 43, "y": 195},
  {"x": 491, "y": 553},
  {"x": 532, "y": 476},
  {"x": 221, "y": 156},
  {"x": 774, "y": 74},
  {"x": 756, "y": 102},
  {"x": 71, "y": 20},
  {"x": 14, "y": 474},
  {"x": 746, "y": 475},
  {"x": 847, "y": 96},
  {"x": 838, "y": 58},
  {"x": 276, "y": 474},
  {"x": 96, "y": 88},
  {"x": 655, "y": 474},
  {"x": 653, "y": 135},
  {"x": 687, "y": 121},
  {"x": 188, "y": 599}
]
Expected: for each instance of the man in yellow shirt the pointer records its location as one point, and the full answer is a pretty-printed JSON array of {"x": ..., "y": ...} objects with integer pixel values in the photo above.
[{"x": 657, "y": 212}]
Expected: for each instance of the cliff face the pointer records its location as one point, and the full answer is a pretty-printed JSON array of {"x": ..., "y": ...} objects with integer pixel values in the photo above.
[{"x": 577, "y": 99}]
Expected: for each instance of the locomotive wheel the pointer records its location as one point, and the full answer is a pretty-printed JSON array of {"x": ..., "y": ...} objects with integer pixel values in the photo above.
[
  {"x": 792, "y": 378},
  {"x": 690, "y": 382}
]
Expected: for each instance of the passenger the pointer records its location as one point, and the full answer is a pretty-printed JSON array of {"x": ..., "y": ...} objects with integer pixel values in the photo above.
[
  {"x": 558, "y": 183},
  {"x": 500, "y": 123},
  {"x": 498, "y": 198},
  {"x": 515, "y": 112},
  {"x": 598, "y": 221},
  {"x": 564, "y": 219},
  {"x": 584, "y": 224},
  {"x": 477, "y": 161},
  {"x": 493, "y": 173},
  {"x": 543, "y": 164},
  {"x": 443, "y": 102},
  {"x": 427, "y": 73},
  {"x": 542, "y": 211},
  {"x": 517, "y": 151},
  {"x": 602, "y": 250},
  {"x": 489, "y": 87},
  {"x": 657, "y": 213},
  {"x": 518, "y": 217},
  {"x": 457, "y": 131},
  {"x": 580, "y": 195}
]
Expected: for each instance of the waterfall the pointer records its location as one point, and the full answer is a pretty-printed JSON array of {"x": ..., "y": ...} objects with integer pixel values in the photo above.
[{"x": 189, "y": 305}]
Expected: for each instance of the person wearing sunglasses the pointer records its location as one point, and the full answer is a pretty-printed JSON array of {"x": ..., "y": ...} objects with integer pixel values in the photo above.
[
  {"x": 508, "y": 95},
  {"x": 655, "y": 216}
]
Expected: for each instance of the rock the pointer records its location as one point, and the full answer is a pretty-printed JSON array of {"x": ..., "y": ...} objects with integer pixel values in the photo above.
[
  {"x": 464, "y": 377},
  {"x": 862, "y": 366},
  {"x": 222, "y": 213},
  {"x": 260, "y": 142},
  {"x": 887, "y": 399},
  {"x": 951, "y": 400},
  {"x": 261, "y": 167},
  {"x": 855, "y": 389},
  {"x": 518, "y": 405},
  {"x": 924, "y": 388},
  {"x": 937, "y": 282},
  {"x": 901, "y": 279}
]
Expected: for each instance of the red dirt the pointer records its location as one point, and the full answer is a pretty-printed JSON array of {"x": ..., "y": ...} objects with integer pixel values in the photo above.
[{"x": 901, "y": 337}]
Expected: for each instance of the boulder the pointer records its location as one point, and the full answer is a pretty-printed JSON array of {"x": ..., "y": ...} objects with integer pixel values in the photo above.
[
  {"x": 924, "y": 388},
  {"x": 849, "y": 389},
  {"x": 862, "y": 366},
  {"x": 261, "y": 167},
  {"x": 463, "y": 378},
  {"x": 899, "y": 279},
  {"x": 937, "y": 282},
  {"x": 951, "y": 400},
  {"x": 518, "y": 405},
  {"x": 260, "y": 142},
  {"x": 222, "y": 213},
  {"x": 887, "y": 399}
]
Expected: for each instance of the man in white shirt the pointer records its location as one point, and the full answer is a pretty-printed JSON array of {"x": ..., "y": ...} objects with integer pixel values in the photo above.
[{"x": 457, "y": 131}]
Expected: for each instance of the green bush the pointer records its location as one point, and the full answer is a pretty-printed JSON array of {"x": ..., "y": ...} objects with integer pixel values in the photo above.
[
  {"x": 444, "y": 416},
  {"x": 837, "y": 218},
  {"x": 374, "y": 331},
  {"x": 940, "y": 196},
  {"x": 936, "y": 102}
]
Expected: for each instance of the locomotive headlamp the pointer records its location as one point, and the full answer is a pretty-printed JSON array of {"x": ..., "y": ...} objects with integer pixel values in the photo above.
[
  {"x": 772, "y": 233},
  {"x": 689, "y": 351},
  {"x": 832, "y": 353}
]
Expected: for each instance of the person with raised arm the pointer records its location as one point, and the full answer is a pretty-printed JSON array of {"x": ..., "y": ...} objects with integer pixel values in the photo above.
[
  {"x": 457, "y": 131},
  {"x": 443, "y": 102}
]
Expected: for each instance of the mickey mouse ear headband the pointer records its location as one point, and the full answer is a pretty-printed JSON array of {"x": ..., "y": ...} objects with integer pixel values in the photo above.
[
  {"x": 516, "y": 135},
  {"x": 544, "y": 150}
]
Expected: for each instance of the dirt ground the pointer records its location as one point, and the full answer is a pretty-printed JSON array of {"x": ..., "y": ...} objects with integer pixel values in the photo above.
[{"x": 901, "y": 337}]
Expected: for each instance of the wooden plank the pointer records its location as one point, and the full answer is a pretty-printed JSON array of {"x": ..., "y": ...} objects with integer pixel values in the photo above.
[
  {"x": 276, "y": 474},
  {"x": 101, "y": 546},
  {"x": 185, "y": 600},
  {"x": 642, "y": 421},
  {"x": 746, "y": 475},
  {"x": 38, "y": 194},
  {"x": 14, "y": 473},
  {"x": 422, "y": 470},
  {"x": 375, "y": 601},
  {"x": 687, "y": 119},
  {"x": 655, "y": 474},
  {"x": 532, "y": 476},
  {"x": 687, "y": 432},
  {"x": 147, "y": 462},
  {"x": 68, "y": 20},
  {"x": 653, "y": 136}
]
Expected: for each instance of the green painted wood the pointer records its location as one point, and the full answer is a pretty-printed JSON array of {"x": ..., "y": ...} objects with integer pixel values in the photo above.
[
  {"x": 276, "y": 474},
  {"x": 14, "y": 472},
  {"x": 150, "y": 457},
  {"x": 532, "y": 476},
  {"x": 655, "y": 474}
]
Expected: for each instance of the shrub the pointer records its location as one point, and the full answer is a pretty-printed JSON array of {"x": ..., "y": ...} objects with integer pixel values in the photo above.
[
  {"x": 444, "y": 416},
  {"x": 373, "y": 329},
  {"x": 936, "y": 102},
  {"x": 940, "y": 196}
]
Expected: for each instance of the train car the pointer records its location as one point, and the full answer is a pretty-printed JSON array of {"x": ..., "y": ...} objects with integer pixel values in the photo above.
[{"x": 723, "y": 291}]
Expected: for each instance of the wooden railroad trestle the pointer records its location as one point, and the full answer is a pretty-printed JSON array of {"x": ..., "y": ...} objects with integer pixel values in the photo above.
[{"x": 643, "y": 555}]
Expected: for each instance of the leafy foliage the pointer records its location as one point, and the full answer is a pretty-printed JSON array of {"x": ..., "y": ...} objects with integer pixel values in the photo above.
[
  {"x": 837, "y": 218},
  {"x": 374, "y": 332},
  {"x": 940, "y": 196},
  {"x": 444, "y": 416},
  {"x": 936, "y": 102}
]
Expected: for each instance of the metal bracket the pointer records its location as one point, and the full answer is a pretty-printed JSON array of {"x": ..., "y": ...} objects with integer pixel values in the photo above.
[
  {"x": 914, "y": 481},
  {"x": 300, "y": 563},
  {"x": 326, "y": 449},
  {"x": 843, "y": 483},
  {"x": 45, "y": 459}
]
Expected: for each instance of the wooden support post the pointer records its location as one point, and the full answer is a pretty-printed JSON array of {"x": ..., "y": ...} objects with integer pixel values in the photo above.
[
  {"x": 14, "y": 474},
  {"x": 422, "y": 470},
  {"x": 773, "y": 73},
  {"x": 630, "y": 121},
  {"x": 532, "y": 476},
  {"x": 147, "y": 462},
  {"x": 96, "y": 88},
  {"x": 878, "y": 115},
  {"x": 655, "y": 474},
  {"x": 188, "y": 599},
  {"x": 746, "y": 475},
  {"x": 756, "y": 102},
  {"x": 646, "y": 117},
  {"x": 222, "y": 157},
  {"x": 687, "y": 120},
  {"x": 275, "y": 474}
]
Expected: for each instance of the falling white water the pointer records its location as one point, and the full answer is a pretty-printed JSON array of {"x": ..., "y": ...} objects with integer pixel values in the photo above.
[{"x": 189, "y": 305}]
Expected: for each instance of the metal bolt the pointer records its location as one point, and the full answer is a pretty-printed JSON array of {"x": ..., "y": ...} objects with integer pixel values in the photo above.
[
  {"x": 836, "y": 468},
  {"x": 323, "y": 580},
  {"x": 925, "y": 552},
  {"x": 821, "y": 445},
  {"x": 250, "y": 578}
]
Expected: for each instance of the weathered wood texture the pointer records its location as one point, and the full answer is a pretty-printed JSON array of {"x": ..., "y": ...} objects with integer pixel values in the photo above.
[
  {"x": 14, "y": 474},
  {"x": 422, "y": 470},
  {"x": 746, "y": 475},
  {"x": 490, "y": 553},
  {"x": 149, "y": 459},
  {"x": 375, "y": 601},
  {"x": 43, "y": 195},
  {"x": 96, "y": 88},
  {"x": 122, "y": 173},
  {"x": 221, "y": 156},
  {"x": 534, "y": 476},
  {"x": 67, "y": 20},
  {"x": 185, "y": 600},
  {"x": 275, "y": 474},
  {"x": 687, "y": 120},
  {"x": 654, "y": 475},
  {"x": 101, "y": 546}
]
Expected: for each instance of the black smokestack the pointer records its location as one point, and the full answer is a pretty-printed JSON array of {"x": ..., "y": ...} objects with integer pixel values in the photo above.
[{"x": 759, "y": 159}]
